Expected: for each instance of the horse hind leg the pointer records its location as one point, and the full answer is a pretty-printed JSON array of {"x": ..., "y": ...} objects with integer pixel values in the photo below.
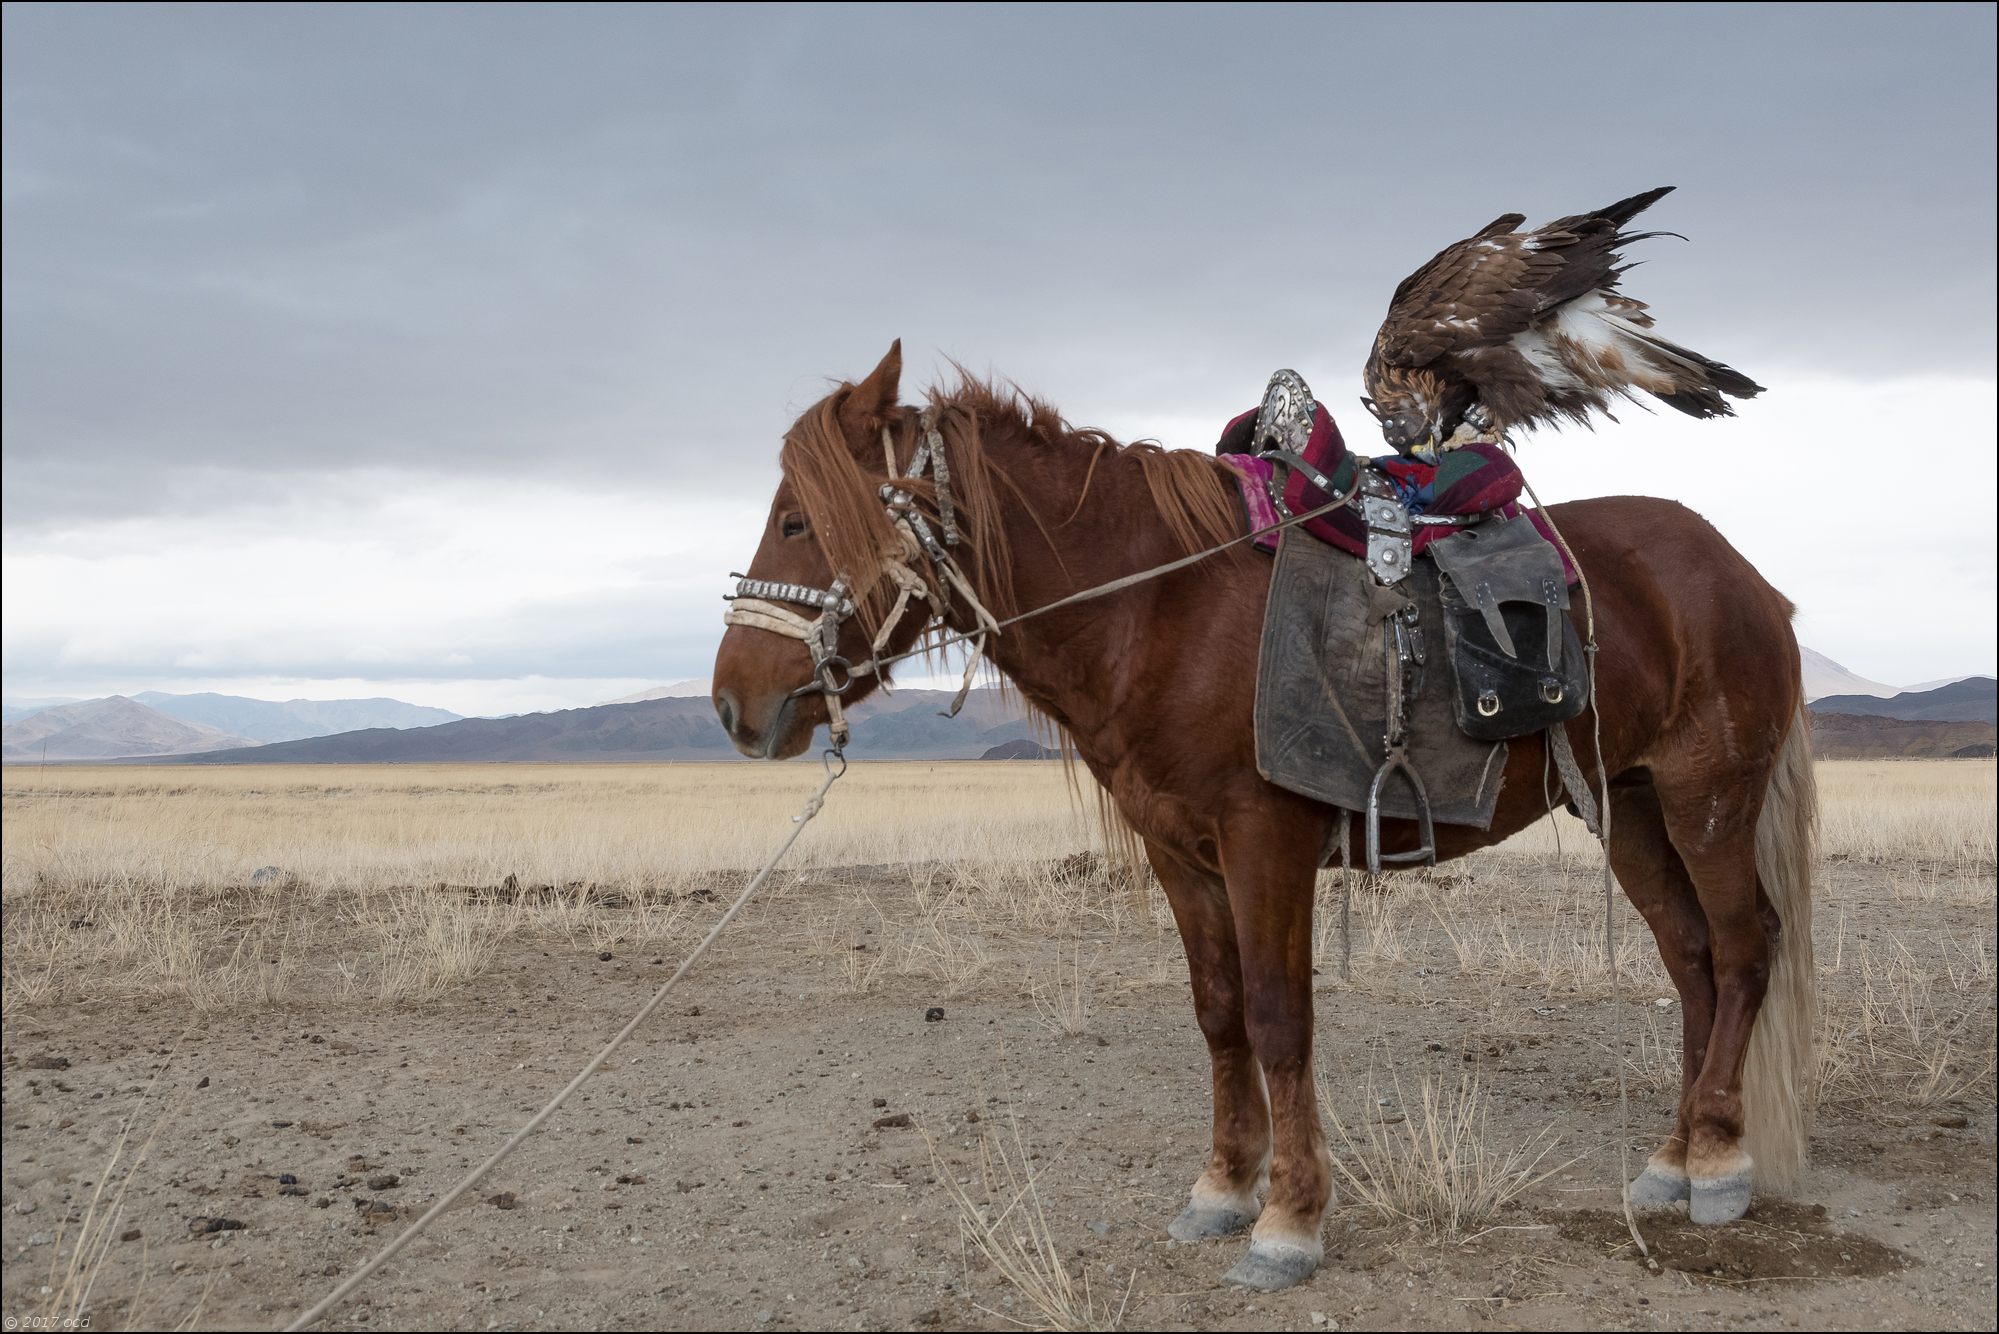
[
  {"x": 1746, "y": 842},
  {"x": 1224, "y": 1199},
  {"x": 1654, "y": 878}
]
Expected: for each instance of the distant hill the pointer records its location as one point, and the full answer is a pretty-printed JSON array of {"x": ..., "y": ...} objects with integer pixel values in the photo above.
[
  {"x": 1824, "y": 677},
  {"x": 292, "y": 719},
  {"x": 14, "y": 708},
  {"x": 1848, "y": 736},
  {"x": 1022, "y": 750},
  {"x": 110, "y": 728},
  {"x": 677, "y": 690},
  {"x": 904, "y": 725},
  {"x": 1974, "y": 699}
]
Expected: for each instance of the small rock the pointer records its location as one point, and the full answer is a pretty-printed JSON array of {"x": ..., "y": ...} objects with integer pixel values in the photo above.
[
  {"x": 763, "y": 1317},
  {"x": 1102, "y": 1229},
  {"x": 203, "y": 1226},
  {"x": 129, "y": 1234},
  {"x": 603, "y": 956},
  {"x": 504, "y": 1200},
  {"x": 266, "y": 875},
  {"x": 24, "y": 1206},
  {"x": 632, "y": 1179},
  {"x": 1664, "y": 1002},
  {"x": 281, "y": 1125},
  {"x": 930, "y": 1016},
  {"x": 287, "y": 1179},
  {"x": 1951, "y": 1120},
  {"x": 49, "y": 1062},
  {"x": 204, "y": 1082},
  {"x": 42, "y": 1239},
  {"x": 1321, "y": 1320},
  {"x": 384, "y": 1181},
  {"x": 895, "y": 1121},
  {"x": 879, "y": 1102}
]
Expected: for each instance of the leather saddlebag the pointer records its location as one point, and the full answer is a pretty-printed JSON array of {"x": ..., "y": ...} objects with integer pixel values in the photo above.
[{"x": 1518, "y": 661}]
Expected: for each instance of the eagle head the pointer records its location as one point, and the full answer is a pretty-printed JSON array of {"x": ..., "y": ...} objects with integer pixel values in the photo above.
[{"x": 1406, "y": 423}]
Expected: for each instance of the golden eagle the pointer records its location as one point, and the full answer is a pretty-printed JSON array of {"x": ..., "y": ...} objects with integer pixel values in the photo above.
[{"x": 1511, "y": 329}]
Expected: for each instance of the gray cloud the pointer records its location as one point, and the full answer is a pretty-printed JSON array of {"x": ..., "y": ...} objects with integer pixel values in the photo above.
[{"x": 627, "y": 243}]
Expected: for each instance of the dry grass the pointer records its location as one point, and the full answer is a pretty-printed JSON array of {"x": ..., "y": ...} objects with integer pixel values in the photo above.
[
  {"x": 399, "y": 886},
  {"x": 1907, "y": 1021},
  {"x": 1061, "y": 991},
  {"x": 1430, "y": 1163},
  {"x": 1004, "y": 1226}
]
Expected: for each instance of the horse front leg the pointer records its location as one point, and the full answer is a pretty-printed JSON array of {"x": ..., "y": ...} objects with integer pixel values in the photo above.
[
  {"x": 1223, "y": 1201},
  {"x": 1271, "y": 872}
]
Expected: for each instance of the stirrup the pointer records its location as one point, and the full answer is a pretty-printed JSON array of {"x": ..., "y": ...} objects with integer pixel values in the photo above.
[{"x": 1426, "y": 851}]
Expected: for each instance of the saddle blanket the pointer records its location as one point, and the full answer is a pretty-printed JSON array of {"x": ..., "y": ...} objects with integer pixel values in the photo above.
[
  {"x": 1321, "y": 691},
  {"x": 1476, "y": 479}
]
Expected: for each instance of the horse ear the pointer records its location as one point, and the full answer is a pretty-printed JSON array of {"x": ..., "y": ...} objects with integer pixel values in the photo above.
[{"x": 873, "y": 398}]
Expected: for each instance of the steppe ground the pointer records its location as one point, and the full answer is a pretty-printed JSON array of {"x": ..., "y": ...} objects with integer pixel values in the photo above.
[{"x": 257, "y": 1018}]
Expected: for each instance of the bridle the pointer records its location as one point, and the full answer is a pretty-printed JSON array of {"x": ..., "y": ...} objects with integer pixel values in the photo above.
[{"x": 755, "y": 601}]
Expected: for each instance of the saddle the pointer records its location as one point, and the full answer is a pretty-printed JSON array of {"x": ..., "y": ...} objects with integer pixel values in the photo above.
[{"x": 1354, "y": 606}]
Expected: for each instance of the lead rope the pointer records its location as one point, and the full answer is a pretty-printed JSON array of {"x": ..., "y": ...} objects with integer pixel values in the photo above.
[
  {"x": 382, "y": 1257},
  {"x": 1609, "y": 877}
]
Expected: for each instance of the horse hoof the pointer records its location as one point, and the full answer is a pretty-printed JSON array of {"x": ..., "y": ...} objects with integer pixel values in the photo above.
[
  {"x": 1198, "y": 1224},
  {"x": 1272, "y": 1267},
  {"x": 1655, "y": 1187},
  {"x": 1719, "y": 1199}
]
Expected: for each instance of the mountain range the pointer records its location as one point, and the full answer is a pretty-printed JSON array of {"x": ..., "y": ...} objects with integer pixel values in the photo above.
[
  {"x": 905, "y": 725},
  {"x": 112, "y": 728},
  {"x": 677, "y": 722},
  {"x": 156, "y": 723},
  {"x": 1953, "y": 721}
]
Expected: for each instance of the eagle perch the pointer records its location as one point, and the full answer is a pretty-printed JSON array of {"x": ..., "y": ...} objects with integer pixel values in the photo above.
[{"x": 1511, "y": 329}]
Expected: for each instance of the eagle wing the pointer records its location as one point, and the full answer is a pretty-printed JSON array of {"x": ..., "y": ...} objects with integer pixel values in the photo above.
[
  {"x": 1493, "y": 285},
  {"x": 1479, "y": 291}
]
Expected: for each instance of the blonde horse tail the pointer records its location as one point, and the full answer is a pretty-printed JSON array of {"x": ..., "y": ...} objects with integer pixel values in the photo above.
[{"x": 1779, "y": 1073}]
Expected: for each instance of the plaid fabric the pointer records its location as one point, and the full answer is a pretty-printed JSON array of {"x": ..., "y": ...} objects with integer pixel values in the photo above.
[{"x": 1476, "y": 479}]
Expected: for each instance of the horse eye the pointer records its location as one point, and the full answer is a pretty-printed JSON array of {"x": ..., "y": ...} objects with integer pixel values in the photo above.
[{"x": 794, "y": 525}]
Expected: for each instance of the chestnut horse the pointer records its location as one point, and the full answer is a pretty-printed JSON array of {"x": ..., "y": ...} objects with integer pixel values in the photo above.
[{"x": 1703, "y": 738}]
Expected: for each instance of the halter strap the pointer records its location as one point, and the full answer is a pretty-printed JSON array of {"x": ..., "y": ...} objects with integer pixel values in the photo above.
[{"x": 754, "y": 603}]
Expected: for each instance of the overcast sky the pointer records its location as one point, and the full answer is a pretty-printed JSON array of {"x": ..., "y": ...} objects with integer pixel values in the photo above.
[{"x": 444, "y": 353}]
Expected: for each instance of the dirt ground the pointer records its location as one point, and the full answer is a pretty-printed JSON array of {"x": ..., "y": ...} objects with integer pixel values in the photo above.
[{"x": 767, "y": 1151}]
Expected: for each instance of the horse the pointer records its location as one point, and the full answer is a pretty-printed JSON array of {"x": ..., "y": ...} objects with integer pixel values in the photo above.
[{"x": 1704, "y": 744}]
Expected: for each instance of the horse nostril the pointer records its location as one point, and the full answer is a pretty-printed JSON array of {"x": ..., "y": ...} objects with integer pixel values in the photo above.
[{"x": 725, "y": 708}]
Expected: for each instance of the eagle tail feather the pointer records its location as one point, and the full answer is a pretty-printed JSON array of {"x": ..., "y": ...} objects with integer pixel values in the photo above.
[
  {"x": 1715, "y": 377},
  {"x": 1624, "y": 210}
]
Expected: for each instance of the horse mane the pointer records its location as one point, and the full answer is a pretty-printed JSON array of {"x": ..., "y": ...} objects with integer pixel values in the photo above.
[{"x": 837, "y": 482}]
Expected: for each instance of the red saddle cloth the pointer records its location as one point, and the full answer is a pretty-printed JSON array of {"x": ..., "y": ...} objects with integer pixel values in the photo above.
[{"x": 1474, "y": 479}]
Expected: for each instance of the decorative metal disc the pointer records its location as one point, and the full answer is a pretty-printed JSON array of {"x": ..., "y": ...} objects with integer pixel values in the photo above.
[{"x": 1285, "y": 419}]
